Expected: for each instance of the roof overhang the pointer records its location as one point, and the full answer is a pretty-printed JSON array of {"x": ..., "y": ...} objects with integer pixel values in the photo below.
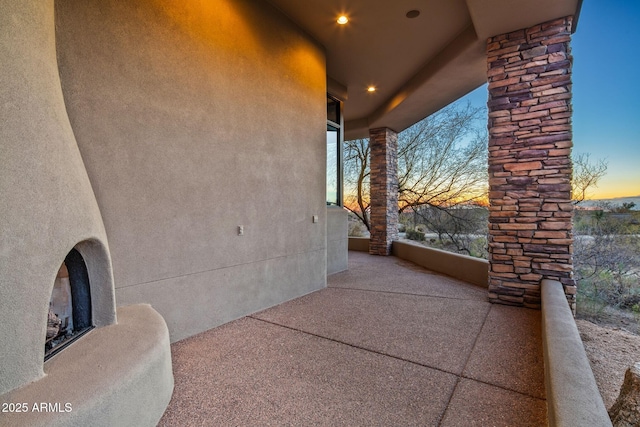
[{"x": 418, "y": 65}]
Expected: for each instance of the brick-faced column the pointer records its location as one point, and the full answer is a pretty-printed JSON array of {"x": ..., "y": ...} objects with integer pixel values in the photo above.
[
  {"x": 530, "y": 231},
  {"x": 384, "y": 190}
]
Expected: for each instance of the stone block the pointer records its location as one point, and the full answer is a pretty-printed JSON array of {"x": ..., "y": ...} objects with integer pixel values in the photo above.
[
  {"x": 543, "y": 249},
  {"x": 513, "y": 299},
  {"x": 555, "y": 225},
  {"x": 552, "y": 80},
  {"x": 515, "y": 226},
  {"x": 563, "y": 152},
  {"x": 503, "y": 129},
  {"x": 552, "y": 91},
  {"x": 561, "y": 242},
  {"x": 556, "y": 97},
  {"x": 531, "y": 153},
  {"x": 502, "y": 214},
  {"x": 500, "y": 113},
  {"x": 532, "y": 278},
  {"x": 534, "y": 52},
  {"x": 523, "y": 166},
  {"x": 552, "y": 181},
  {"x": 556, "y": 267},
  {"x": 564, "y": 38},
  {"x": 520, "y": 180},
  {"x": 501, "y": 268},
  {"x": 530, "y": 115},
  {"x": 522, "y": 86},
  {"x": 502, "y": 83},
  {"x": 515, "y": 73},
  {"x": 555, "y": 190},
  {"x": 528, "y": 123},
  {"x": 550, "y": 234},
  {"x": 516, "y": 35},
  {"x": 556, "y": 47}
]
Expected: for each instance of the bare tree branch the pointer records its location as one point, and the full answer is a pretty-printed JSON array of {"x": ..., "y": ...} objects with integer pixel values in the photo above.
[
  {"x": 586, "y": 176},
  {"x": 441, "y": 163},
  {"x": 356, "y": 179}
]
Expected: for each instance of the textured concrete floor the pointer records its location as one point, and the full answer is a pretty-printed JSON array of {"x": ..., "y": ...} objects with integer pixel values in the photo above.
[{"x": 386, "y": 344}]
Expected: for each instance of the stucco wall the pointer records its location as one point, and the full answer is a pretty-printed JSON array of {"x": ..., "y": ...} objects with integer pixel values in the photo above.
[
  {"x": 46, "y": 202},
  {"x": 194, "y": 118},
  {"x": 337, "y": 239}
]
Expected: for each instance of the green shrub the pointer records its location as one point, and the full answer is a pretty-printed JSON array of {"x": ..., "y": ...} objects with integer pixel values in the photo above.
[
  {"x": 415, "y": 235},
  {"x": 421, "y": 228},
  {"x": 356, "y": 229}
]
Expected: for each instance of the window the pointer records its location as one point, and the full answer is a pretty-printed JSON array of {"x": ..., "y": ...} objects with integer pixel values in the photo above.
[{"x": 334, "y": 152}]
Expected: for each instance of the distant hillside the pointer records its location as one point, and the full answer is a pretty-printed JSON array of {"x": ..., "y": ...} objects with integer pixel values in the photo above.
[{"x": 613, "y": 202}]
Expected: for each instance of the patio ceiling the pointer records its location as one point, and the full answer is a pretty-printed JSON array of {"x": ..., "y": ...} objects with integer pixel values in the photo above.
[{"x": 418, "y": 65}]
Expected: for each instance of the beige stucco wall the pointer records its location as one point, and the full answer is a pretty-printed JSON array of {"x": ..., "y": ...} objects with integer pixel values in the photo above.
[
  {"x": 337, "y": 239},
  {"x": 194, "y": 118},
  {"x": 47, "y": 205}
]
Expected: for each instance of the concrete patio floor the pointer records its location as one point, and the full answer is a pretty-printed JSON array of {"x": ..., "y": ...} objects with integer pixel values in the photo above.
[{"x": 387, "y": 343}]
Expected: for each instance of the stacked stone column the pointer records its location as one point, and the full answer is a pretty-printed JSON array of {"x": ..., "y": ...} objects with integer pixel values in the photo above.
[
  {"x": 383, "y": 143},
  {"x": 530, "y": 230}
]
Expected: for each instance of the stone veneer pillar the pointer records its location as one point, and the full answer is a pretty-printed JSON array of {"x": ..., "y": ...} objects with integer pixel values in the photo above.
[
  {"x": 384, "y": 190},
  {"x": 530, "y": 230}
]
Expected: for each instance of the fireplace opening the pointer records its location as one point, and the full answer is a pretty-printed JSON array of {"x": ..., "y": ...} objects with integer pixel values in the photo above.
[{"x": 69, "y": 314}]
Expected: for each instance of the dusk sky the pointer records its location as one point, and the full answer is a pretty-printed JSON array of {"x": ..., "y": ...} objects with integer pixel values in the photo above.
[{"x": 606, "y": 92}]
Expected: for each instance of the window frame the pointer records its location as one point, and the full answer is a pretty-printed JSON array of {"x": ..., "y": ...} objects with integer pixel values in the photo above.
[{"x": 339, "y": 128}]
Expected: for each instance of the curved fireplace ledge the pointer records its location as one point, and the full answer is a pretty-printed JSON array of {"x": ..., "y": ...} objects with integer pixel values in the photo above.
[{"x": 117, "y": 375}]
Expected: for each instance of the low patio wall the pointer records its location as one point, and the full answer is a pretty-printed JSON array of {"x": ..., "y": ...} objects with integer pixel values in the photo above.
[
  {"x": 469, "y": 269},
  {"x": 573, "y": 398},
  {"x": 359, "y": 244}
]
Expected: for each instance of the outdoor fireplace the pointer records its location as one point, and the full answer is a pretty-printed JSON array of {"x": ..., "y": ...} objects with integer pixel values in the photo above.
[
  {"x": 119, "y": 372},
  {"x": 69, "y": 314}
]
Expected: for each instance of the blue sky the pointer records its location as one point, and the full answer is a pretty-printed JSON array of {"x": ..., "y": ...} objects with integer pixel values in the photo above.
[{"x": 606, "y": 92}]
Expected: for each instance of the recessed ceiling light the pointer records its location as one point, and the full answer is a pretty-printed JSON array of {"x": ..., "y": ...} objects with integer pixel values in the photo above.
[
  {"x": 371, "y": 89},
  {"x": 342, "y": 19},
  {"x": 413, "y": 13}
]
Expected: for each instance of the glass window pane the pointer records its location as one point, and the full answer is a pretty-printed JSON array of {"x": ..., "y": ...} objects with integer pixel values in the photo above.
[
  {"x": 333, "y": 110},
  {"x": 332, "y": 166}
]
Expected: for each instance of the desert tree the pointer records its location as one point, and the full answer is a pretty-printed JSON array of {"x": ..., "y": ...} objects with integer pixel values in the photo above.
[
  {"x": 606, "y": 259},
  {"x": 606, "y": 244},
  {"x": 442, "y": 160},
  {"x": 441, "y": 164},
  {"x": 356, "y": 179},
  {"x": 586, "y": 174}
]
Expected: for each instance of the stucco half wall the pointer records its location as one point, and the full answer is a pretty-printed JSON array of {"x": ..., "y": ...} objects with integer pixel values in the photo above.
[
  {"x": 337, "y": 239},
  {"x": 195, "y": 118}
]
